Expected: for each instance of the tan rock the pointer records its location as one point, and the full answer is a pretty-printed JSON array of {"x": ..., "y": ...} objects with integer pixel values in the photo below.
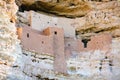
[{"x": 68, "y": 8}]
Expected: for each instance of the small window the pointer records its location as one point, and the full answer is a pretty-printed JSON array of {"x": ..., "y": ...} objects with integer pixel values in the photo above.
[
  {"x": 68, "y": 44},
  {"x": 55, "y": 33},
  {"x": 27, "y": 35},
  {"x": 42, "y": 42}
]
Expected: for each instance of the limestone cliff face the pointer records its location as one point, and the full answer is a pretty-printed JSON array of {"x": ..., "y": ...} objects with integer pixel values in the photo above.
[
  {"x": 97, "y": 18},
  {"x": 68, "y": 8},
  {"x": 104, "y": 18},
  {"x": 8, "y": 37}
]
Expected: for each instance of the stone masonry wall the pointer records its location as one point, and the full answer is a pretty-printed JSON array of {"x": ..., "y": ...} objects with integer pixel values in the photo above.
[
  {"x": 97, "y": 42},
  {"x": 32, "y": 40}
]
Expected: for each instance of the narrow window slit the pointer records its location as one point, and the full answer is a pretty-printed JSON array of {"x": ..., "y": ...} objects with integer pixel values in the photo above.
[{"x": 28, "y": 35}]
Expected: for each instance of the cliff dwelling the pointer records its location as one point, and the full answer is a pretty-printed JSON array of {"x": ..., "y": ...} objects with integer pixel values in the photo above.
[
  {"x": 59, "y": 40},
  {"x": 55, "y": 41}
]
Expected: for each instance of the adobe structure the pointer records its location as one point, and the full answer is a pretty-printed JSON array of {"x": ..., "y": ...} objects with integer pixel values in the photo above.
[
  {"x": 41, "y": 21},
  {"x": 52, "y": 41}
]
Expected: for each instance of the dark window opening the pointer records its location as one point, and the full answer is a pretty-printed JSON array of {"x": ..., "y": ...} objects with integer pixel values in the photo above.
[
  {"x": 28, "y": 35},
  {"x": 55, "y": 24},
  {"x": 68, "y": 44},
  {"x": 85, "y": 41},
  {"x": 48, "y": 22},
  {"x": 55, "y": 33},
  {"x": 42, "y": 42}
]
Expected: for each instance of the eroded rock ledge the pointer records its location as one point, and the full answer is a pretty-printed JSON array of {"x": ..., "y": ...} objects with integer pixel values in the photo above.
[
  {"x": 68, "y": 8},
  {"x": 104, "y": 18}
]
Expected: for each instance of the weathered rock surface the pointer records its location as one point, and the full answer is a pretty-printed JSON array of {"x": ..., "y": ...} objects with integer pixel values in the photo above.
[
  {"x": 68, "y": 8},
  {"x": 92, "y": 65},
  {"x": 8, "y": 39},
  {"x": 104, "y": 18}
]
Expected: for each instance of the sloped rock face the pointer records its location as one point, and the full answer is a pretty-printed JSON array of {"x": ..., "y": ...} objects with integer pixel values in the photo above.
[{"x": 68, "y": 8}]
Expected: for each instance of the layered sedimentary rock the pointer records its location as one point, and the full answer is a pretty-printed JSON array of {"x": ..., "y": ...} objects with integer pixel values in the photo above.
[
  {"x": 68, "y": 8},
  {"x": 90, "y": 63},
  {"x": 104, "y": 18}
]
